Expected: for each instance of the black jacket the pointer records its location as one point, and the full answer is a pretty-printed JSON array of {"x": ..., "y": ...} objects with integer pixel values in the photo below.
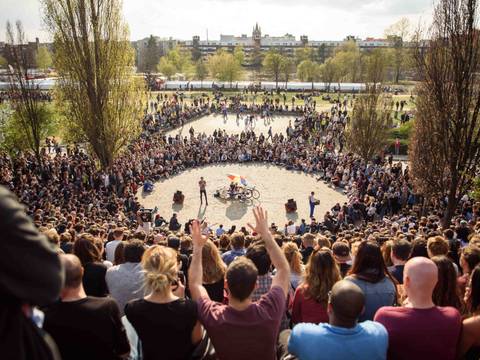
[{"x": 30, "y": 273}]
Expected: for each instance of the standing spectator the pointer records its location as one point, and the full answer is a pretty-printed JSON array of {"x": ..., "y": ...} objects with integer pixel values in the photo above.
[
  {"x": 94, "y": 270},
  {"x": 469, "y": 259},
  {"x": 371, "y": 275},
  {"x": 237, "y": 241},
  {"x": 446, "y": 292},
  {"x": 112, "y": 245},
  {"x": 213, "y": 271},
  {"x": 203, "y": 191},
  {"x": 311, "y": 297},
  {"x": 166, "y": 323},
  {"x": 401, "y": 250},
  {"x": 343, "y": 337},
  {"x": 463, "y": 231},
  {"x": 125, "y": 281},
  {"x": 242, "y": 329},
  {"x": 85, "y": 327},
  {"x": 397, "y": 146},
  {"x": 341, "y": 254},
  {"x": 294, "y": 258},
  {"x": 470, "y": 342},
  {"x": 259, "y": 256},
  {"x": 409, "y": 326},
  {"x": 308, "y": 243},
  {"x": 66, "y": 243},
  {"x": 31, "y": 274}
]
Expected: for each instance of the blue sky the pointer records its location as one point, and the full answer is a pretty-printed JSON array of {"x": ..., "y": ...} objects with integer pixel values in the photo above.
[{"x": 319, "y": 19}]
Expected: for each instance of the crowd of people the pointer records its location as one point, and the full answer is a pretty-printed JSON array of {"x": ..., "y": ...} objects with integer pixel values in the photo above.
[{"x": 88, "y": 275}]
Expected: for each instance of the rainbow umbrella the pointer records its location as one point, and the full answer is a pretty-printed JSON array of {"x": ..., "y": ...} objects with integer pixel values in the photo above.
[{"x": 237, "y": 179}]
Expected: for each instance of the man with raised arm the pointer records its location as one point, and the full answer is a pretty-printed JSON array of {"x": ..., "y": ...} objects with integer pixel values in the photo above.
[{"x": 242, "y": 329}]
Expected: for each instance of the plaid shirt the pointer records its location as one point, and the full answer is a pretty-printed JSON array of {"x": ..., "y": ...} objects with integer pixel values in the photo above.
[{"x": 264, "y": 284}]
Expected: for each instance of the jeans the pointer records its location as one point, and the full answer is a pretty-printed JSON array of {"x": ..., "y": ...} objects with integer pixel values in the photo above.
[
  {"x": 203, "y": 192},
  {"x": 312, "y": 209}
]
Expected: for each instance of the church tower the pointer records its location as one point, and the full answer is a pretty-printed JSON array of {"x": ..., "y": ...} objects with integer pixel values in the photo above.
[{"x": 257, "y": 35}]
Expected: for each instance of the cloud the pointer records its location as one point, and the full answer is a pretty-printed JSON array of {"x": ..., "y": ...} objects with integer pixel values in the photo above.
[{"x": 319, "y": 19}]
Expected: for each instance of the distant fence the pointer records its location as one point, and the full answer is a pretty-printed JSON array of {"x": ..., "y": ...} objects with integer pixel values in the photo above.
[
  {"x": 264, "y": 85},
  {"x": 48, "y": 84}
]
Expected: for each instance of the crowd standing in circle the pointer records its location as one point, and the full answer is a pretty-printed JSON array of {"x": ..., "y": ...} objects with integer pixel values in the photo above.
[{"x": 347, "y": 286}]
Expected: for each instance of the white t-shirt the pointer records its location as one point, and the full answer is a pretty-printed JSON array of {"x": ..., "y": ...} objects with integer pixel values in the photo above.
[
  {"x": 291, "y": 229},
  {"x": 110, "y": 249}
]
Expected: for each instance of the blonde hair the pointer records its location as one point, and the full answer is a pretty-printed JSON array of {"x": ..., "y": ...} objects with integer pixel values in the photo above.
[
  {"x": 160, "y": 268},
  {"x": 323, "y": 241},
  {"x": 213, "y": 266},
  {"x": 294, "y": 258}
]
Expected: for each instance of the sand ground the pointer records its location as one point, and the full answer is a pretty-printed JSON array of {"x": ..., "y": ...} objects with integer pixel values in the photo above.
[
  {"x": 208, "y": 124},
  {"x": 275, "y": 184}
]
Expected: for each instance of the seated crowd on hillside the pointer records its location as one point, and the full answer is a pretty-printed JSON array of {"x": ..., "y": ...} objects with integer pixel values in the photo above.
[{"x": 86, "y": 276}]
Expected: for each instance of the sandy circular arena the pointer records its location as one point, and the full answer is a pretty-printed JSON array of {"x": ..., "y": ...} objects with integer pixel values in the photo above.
[
  {"x": 208, "y": 124},
  {"x": 276, "y": 186}
]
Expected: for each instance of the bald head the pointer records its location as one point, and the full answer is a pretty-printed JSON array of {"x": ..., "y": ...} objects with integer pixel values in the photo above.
[
  {"x": 347, "y": 301},
  {"x": 73, "y": 270},
  {"x": 420, "y": 277}
]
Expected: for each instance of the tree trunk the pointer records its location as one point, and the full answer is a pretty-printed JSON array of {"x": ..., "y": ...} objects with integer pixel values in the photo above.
[{"x": 451, "y": 206}]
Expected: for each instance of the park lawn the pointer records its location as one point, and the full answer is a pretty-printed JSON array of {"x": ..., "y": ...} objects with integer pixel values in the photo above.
[{"x": 322, "y": 105}]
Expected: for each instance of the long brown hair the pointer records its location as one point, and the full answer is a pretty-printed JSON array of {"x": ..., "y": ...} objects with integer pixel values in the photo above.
[
  {"x": 446, "y": 291},
  {"x": 321, "y": 274},
  {"x": 369, "y": 264},
  {"x": 213, "y": 266},
  {"x": 86, "y": 249}
]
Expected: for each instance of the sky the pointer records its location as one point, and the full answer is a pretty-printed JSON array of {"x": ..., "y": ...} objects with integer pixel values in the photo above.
[{"x": 181, "y": 19}]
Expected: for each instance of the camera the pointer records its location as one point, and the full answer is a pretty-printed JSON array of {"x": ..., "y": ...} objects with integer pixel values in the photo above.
[{"x": 146, "y": 215}]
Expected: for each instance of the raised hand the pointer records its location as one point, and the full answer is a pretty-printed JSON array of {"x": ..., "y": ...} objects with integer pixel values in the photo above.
[
  {"x": 197, "y": 238},
  {"x": 261, "y": 222}
]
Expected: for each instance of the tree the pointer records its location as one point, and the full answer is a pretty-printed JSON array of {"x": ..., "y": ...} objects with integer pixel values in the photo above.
[
  {"x": 348, "y": 60},
  {"x": 273, "y": 63},
  {"x": 368, "y": 131},
  {"x": 43, "y": 58},
  {"x": 201, "y": 71},
  {"x": 398, "y": 33},
  {"x": 167, "y": 68},
  {"x": 31, "y": 115},
  {"x": 448, "y": 65},
  {"x": 239, "y": 54},
  {"x": 177, "y": 60},
  {"x": 288, "y": 68},
  {"x": 95, "y": 62},
  {"x": 427, "y": 164},
  {"x": 3, "y": 62},
  {"x": 224, "y": 66},
  {"x": 308, "y": 70},
  {"x": 151, "y": 55},
  {"x": 302, "y": 54},
  {"x": 328, "y": 72},
  {"x": 376, "y": 67}
]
